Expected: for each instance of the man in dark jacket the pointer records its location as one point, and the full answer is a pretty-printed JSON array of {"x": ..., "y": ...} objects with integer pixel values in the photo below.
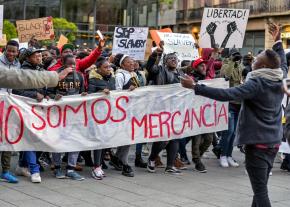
[
  {"x": 28, "y": 158},
  {"x": 259, "y": 126},
  {"x": 162, "y": 74}
]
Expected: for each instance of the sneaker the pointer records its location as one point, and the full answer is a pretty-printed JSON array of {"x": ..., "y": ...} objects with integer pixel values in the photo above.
[
  {"x": 8, "y": 177},
  {"x": 151, "y": 166},
  {"x": 179, "y": 165},
  {"x": 199, "y": 167},
  {"x": 74, "y": 175},
  {"x": 97, "y": 173},
  {"x": 22, "y": 171},
  {"x": 116, "y": 163},
  {"x": 127, "y": 171},
  {"x": 158, "y": 163},
  {"x": 232, "y": 162},
  {"x": 139, "y": 162},
  {"x": 270, "y": 174},
  {"x": 103, "y": 173},
  {"x": 59, "y": 174},
  {"x": 172, "y": 170},
  {"x": 35, "y": 178},
  {"x": 224, "y": 161}
]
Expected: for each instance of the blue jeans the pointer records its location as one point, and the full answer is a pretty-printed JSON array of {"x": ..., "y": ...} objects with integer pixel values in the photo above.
[
  {"x": 228, "y": 137},
  {"x": 71, "y": 160},
  {"x": 139, "y": 148},
  {"x": 28, "y": 159}
]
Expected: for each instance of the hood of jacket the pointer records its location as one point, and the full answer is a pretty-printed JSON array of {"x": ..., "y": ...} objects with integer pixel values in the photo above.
[
  {"x": 5, "y": 61},
  {"x": 206, "y": 53}
]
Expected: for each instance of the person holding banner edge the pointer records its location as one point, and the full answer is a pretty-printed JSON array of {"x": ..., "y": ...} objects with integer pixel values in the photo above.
[{"x": 259, "y": 126}]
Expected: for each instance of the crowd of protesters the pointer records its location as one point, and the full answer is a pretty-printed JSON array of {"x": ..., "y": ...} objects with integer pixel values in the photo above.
[{"x": 97, "y": 70}]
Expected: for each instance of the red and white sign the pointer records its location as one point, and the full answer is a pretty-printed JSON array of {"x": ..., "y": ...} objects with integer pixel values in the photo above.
[{"x": 96, "y": 121}]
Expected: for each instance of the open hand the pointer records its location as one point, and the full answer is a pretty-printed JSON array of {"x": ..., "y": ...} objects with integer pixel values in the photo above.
[{"x": 275, "y": 31}]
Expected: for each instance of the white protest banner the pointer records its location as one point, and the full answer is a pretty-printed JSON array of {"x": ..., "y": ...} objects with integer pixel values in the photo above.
[
  {"x": 224, "y": 27},
  {"x": 96, "y": 121},
  {"x": 40, "y": 29},
  {"x": 1, "y": 21},
  {"x": 130, "y": 41},
  {"x": 182, "y": 44}
]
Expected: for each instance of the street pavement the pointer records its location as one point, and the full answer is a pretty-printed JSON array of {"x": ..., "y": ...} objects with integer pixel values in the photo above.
[{"x": 216, "y": 188}]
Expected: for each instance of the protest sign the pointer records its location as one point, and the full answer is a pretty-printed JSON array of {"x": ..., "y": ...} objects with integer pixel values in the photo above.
[
  {"x": 182, "y": 44},
  {"x": 62, "y": 41},
  {"x": 155, "y": 37},
  {"x": 40, "y": 29},
  {"x": 130, "y": 41},
  {"x": 1, "y": 21},
  {"x": 223, "y": 27},
  {"x": 3, "y": 41},
  {"x": 96, "y": 121}
]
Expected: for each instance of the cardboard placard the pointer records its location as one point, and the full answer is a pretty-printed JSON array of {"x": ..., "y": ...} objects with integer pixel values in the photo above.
[
  {"x": 62, "y": 41},
  {"x": 40, "y": 29}
]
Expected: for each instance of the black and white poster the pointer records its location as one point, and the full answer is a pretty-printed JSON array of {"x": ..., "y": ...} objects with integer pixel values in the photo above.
[
  {"x": 223, "y": 27},
  {"x": 130, "y": 41}
]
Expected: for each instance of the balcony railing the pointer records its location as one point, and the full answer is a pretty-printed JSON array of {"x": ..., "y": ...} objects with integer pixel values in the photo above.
[{"x": 257, "y": 7}]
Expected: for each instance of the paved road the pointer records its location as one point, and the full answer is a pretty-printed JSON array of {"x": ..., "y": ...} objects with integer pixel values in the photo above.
[{"x": 218, "y": 188}]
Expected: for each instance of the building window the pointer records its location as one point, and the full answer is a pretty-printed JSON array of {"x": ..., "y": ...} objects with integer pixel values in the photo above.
[{"x": 253, "y": 42}]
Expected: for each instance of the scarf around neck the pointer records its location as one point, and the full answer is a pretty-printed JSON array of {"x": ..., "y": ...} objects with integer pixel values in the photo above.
[{"x": 267, "y": 73}]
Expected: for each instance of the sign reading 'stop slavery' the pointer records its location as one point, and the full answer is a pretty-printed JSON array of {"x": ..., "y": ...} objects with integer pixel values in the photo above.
[
  {"x": 182, "y": 44},
  {"x": 130, "y": 41},
  {"x": 40, "y": 29},
  {"x": 223, "y": 28},
  {"x": 97, "y": 121}
]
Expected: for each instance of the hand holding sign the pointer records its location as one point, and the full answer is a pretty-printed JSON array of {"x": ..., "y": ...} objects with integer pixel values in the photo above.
[{"x": 101, "y": 44}]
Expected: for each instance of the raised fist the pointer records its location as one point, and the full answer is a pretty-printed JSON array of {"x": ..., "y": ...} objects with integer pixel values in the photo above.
[
  {"x": 210, "y": 29},
  {"x": 232, "y": 27}
]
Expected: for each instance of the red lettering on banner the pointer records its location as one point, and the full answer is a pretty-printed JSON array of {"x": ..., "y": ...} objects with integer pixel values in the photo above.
[
  {"x": 151, "y": 126},
  {"x": 222, "y": 113},
  {"x": 203, "y": 116},
  {"x": 193, "y": 115},
  {"x": 164, "y": 122},
  {"x": 108, "y": 113},
  {"x": 139, "y": 124},
  {"x": 38, "y": 116},
  {"x": 1, "y": 119},
  {"x": 172, "y": 124},
  {"x": 126, "y": 98},
  {"x": 21, "y": 124},
  {"x": 68, "y": 107},
  {"x": 59, "y": 116}
]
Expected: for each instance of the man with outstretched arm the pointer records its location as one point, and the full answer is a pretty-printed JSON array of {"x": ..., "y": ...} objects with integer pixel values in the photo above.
[{"x": 259, "y": 126}]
